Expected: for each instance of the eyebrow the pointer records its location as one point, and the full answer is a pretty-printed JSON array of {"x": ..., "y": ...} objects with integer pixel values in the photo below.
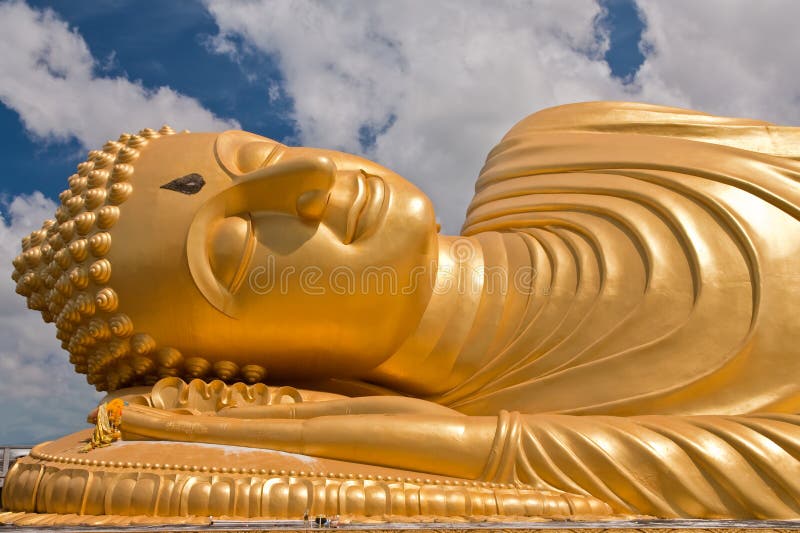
[{"x": 188, "y": 184}]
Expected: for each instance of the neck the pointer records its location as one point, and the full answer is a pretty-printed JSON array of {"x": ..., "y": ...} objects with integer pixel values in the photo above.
[{"x": 462, "y": 327}]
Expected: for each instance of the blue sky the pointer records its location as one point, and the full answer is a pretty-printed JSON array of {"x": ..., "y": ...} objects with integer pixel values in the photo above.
[
  {"x": 163, "y": 47},
  {"x": 169, "y": 46},
  {"x": 425, "y": 88}
]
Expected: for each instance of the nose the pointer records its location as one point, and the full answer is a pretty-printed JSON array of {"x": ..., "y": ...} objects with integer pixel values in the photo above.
[
  {"x": 277, "y": 188},
  {"x": 311, "y": 204}
]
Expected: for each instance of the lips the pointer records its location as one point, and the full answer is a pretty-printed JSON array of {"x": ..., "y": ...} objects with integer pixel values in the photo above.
[{"x": 366, "y": 208}]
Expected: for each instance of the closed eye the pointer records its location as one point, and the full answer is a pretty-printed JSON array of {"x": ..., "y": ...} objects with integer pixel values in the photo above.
[{"x": 188, "y": 184}]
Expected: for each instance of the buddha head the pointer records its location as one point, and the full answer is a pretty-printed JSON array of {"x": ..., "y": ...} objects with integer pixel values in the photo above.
[{"x": 232, "y": 256}]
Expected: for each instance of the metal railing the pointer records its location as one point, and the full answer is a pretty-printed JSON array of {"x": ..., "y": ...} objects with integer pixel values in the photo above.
[{"x": 9, "y": 455}]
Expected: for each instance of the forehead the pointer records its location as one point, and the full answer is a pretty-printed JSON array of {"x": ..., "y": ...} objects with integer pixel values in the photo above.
[{"x": 168, "y": 158}]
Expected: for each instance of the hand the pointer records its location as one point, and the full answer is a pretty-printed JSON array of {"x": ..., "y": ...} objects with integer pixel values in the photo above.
[{"x": 349, "y": 406}]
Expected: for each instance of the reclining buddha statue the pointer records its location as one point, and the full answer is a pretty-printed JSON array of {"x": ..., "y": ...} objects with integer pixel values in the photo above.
[{"x": 614, "y": 331}]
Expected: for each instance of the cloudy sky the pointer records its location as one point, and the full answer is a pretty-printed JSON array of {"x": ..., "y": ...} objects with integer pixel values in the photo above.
[{"x": 424, "y": 87}]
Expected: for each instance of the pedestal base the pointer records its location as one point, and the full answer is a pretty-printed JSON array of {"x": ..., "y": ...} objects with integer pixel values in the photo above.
[{"x": 184, "y": 480}]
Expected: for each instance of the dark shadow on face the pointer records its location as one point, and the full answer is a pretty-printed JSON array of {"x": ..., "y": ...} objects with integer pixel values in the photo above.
[{"x": 282, "y": 233}]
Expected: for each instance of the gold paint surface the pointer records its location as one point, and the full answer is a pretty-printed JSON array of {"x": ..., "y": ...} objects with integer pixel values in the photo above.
[
  {"x": 615, "y": 325},
  {"x": 200, "y": 480}
]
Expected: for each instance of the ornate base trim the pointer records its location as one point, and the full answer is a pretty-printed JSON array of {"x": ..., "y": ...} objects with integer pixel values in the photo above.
[
  {"x": 247, "y": 483},
  {"x": 75, "y": 520}
]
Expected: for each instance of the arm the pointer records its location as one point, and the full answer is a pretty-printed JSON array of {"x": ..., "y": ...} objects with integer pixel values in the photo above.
[
  {"x": 668, "y": 466},
  {"x": 439, "y": 444},
  {"x": 348, "y": 406}
]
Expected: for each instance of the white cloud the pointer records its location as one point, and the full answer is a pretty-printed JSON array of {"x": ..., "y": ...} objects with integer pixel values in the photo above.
[
  {"x": 448, "y": 77},
  {"x": 736, "y": 58},
  {"x": 49, "y": 78},
  {"x": 41, "y": 396},
  {"x": 452, "y": 77}
]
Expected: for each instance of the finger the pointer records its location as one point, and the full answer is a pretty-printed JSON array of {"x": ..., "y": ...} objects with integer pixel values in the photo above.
[{"x": 349, "y": 406}]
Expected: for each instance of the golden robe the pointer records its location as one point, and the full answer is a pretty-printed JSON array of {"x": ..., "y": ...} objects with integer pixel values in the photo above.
[{"x": 667, "y": 242}]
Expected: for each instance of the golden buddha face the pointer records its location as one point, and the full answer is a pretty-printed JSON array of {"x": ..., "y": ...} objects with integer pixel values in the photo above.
[
  {"x": 333, "y": 250},
  {"x": 232, "y": 256}
]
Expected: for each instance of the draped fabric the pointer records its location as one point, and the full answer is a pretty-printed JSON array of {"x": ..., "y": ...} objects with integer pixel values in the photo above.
[
  {"x": 667, "y": 466},
  {"x": 667, "y": 243}
]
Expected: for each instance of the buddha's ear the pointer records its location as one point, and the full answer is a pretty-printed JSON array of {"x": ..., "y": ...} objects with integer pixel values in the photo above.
[{"x": 240, "y": 152}]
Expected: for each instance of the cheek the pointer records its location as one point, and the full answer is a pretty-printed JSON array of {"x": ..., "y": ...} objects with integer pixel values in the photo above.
[{"x": 408, "y": 231}]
